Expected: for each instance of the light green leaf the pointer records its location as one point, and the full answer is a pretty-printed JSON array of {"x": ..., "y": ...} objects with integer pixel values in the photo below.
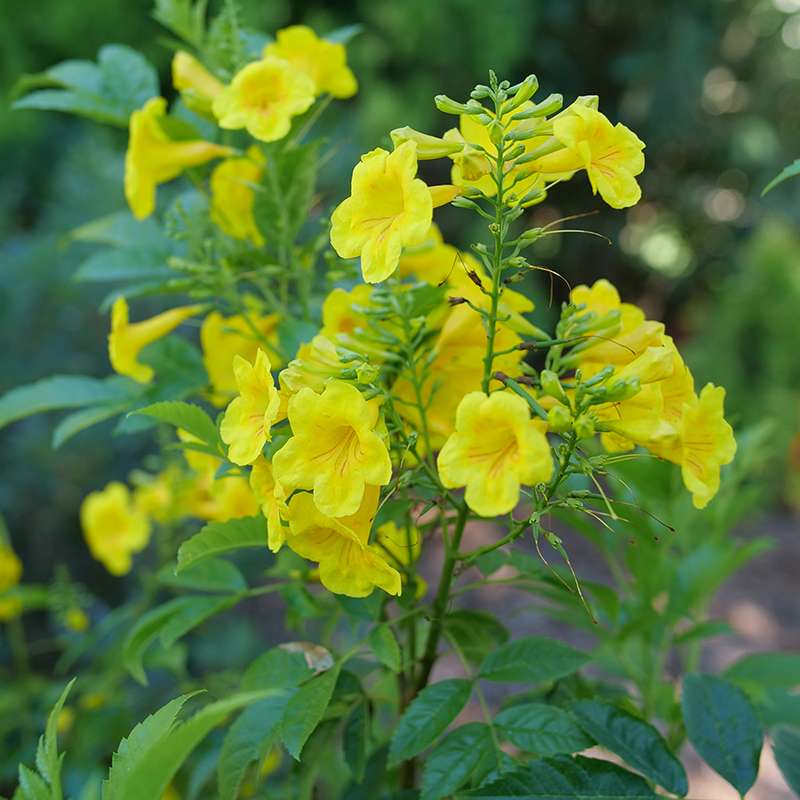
[
  {"x": 533, "y": 659},
  {"x": 304, "y": 711},
  {"x": 453, "y": 761},
  {"x": 219, "y": 538},
  {"x": 476, "y": 633},
  {"x": 248, "y": 740},
  {"x": 766, "y": 670},
  {"x": 212, "y": 575},
  {"x": 786, "y": 747},
  {"x": 186, "y": 416},
  {"x": 79, "y": 421},
  {"x": 635, "y": 741},
  {"x": 48, "y": 762},
  {"x": 184, "y": 18},
  {"x": 344, "y": 34},
  {"x": 128, "y": 264},
  {"x": 542, "y": 729},
  {"x": 384, "y": 645},
  {"x": 723, "y": 727},
  {"x": 192, "y": 613},
  {"x": 355, "y": 739},
  {"x": 278, "y": 668},
  {"x": 787, "y": 172},
  {"x": 427, "y": 717},
  {"x": 31, "y": 786},
  {"x": 62, "y": 391},
  {"x": 562, "y": 778}
]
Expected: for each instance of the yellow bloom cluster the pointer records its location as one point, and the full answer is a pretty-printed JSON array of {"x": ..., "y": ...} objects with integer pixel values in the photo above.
[{"x": 10, "y": 574}]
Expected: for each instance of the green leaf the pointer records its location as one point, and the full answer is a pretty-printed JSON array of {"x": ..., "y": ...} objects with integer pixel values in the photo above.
[
  {"x": 766, "y": 670},
  {"x": 48, "y": 762},
  {"x": 79, "y": 421},
  {"x": 248, "y": 740},
  {"x": 304, "y": 711},
  {"x": 128, "y": 264},
  {"x": 278, "y": 668},
  {"x": 193, "y": 612},
  {"x": 31, "y": 786},
  {"x": 563, "y": 778},
  {"x": 218, "y": 538},
  {"x": 212, "y": 575},
  {"x": 355, "y": 739},
  {"x": 786, "y": 747},
  {"x": 787, "y": 172},
  {"x": 635, "y": 741},
  {"x": 150, "y": 773},
  {"x": 62, "y": 391},
  {"x": 384, "y": 645},
  {"x": 723, "y": 727},
  {"x": 542, "y": 729},
  {"x": 454, "y": 760},
  {"x": 186, "y": 416},
  {"x": 344, "y": 34},
  {"x": 427, "y": 717},
  {"x": 476, "y": 633},
  {"x": 184, "y": 18},
  {"x": 534, "y": 659}
]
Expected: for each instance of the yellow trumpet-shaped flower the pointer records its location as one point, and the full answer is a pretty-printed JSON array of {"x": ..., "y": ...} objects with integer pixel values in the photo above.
[
  {"x": 335, "y": 450},
  {"x": 324, "y": 62},
  {"x": 224, "y": 338},
  {"x": 402, "y": 544},
  {"x": 10, "y": 568},
  {"x": 611, "y": 154},
  {"x": 113, "y": 527},
  {"x": 340, "y": 310},
  {"x": 347, "y": 563},
  {"x": 316, "y": 363},
  {"x": 232, "y": 195},
  {"x": 249, "y": 417},
  {"x": 705, "y": 443},
  {"x": 495, "y": 449},
  {"x": 228, "y": 497},
  {"x": 678, "y": 388},
  {"x": 153, "y": 158},
  {"x": 270, "y": 496},
  {"x": 263, "y": 97},
  {"x": 388, "y": 209},
  {"x": 197, "y": 85},
  {"x": 127, "y": 339}
]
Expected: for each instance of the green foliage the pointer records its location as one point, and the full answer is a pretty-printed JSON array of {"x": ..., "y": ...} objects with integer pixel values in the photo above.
[
  {"x": 188, "y": 417},
  {"x": 792, "y": 171},
  {"x": 787, "y": 753},
  {"x": 455, "y": 759},
  {"x": 543, "y": 729},
  {"x": 305, "y": 709},
  {"x": 531, "y": 659},
  {"x": 219, "y": 538}
]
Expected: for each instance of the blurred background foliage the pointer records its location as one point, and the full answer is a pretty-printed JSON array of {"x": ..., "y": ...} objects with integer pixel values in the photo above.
[{"x": 712, "y": 86}]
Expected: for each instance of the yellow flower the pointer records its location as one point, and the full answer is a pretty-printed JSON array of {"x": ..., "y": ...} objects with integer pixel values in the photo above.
[
  {"x": 496, "y": 447},
  {"x": 316, "y": 363},
  {"x": 611, "y": 154},
  {"x": 347, "y": 563},
  {"x": 155, "y": 495},
  {"x": 76, "y": 619},
  {"x": 224, "y": 338},
  {"x": 431, "y": 260},
  {"x": 335, "y": 448},
  {"x": 388, "y": 209},
  {"x": 10, "y": 568},
  {"x": 325, "y": 63},
  {"x": 705, "y": 443},
  {"x": 340, "y": 311},
  {"x": 636, "y": 421},
  {"x": 232, "y": 195},
  {"x": 678, "y": 388},
  {"x": 270, "y": 496},
  {"x": 113, "y": 528},
  {"x": 219, "y": 500},
  {"x": 10, "y": 608},
  {"x": 263, "y": 97},
  {"x": 249, "y": 417},
  {"x": 402, "y": 544},
  {"x": 127, "y": 339},
  {"x": 198, "y": 87},
  {"x": 153, "y": 158}
]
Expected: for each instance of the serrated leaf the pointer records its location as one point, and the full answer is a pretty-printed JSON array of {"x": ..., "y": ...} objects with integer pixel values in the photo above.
[
  {"x": 562, "y": 778},
  {"x": 278, "y": 668},
  {"x": 776, "y": 670},
  {"x": 188, "y": 416},
  {"x": 427, "y": 717},
  {"x": 635, "y": 741},
  {"x": 31, "y": 786},
  {"x": 787, "y": 172},
  {"x": 786, "y": 747},
  {"x": 476, "y": 633},
  {"x": 48, "y": 761},
  {"x": 62, "y": 391},
  {"x": 542, "y": 729},
  {"x": 305, "y": 709},
  {"x": 248, "y": 740},
  {"x": 219, "y": 538},
  {"x": 184, "y": 18},
  {"x": 79, "y": 421},
  {"x": 384, "y": 645},
  {"x": 723, "y": 727},
  {"x": 355, "y": 739},
  {"x": 453, "y": 761},
  {"x": 212, "y": 575},
  {"x": 192, "y": 613},
  {"x": 533, "y": 659}
]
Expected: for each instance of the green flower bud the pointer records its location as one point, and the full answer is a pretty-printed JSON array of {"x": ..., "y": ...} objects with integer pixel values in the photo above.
[
  {"x": 551, "y": 385},
  {"x": 428, "y": 147},
  {"x": 584, "y": 427},
  {"x": 559, "y": 420}
]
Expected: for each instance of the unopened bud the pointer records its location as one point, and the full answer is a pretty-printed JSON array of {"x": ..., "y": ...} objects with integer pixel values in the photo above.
[
  {"x": 551, "y": 385},
  {"x": 524, "y": 92},
  {"x": 428, "y": 147},
  {"x": 367, "y": 373},
  {"x": 559, "y": 419},
  {"x": 449, "y": 106},
  {"x": 584, "y": 427}
]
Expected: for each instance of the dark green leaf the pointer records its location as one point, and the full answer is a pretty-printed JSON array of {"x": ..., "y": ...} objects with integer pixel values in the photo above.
[
  {"x": 766, "y": 670},
  {"x": 723, "y": 726},
  {"x": 786, "y": 747},
  {"x": 563, "y": 778},
  {"x": 192, "y": 612},
  {"x": 635, "y": 741},
  {"x": 384, "y": 645},
  {"x": 186, "y": 416},
  {"x": 355, "y": 739},
  {"x": 278, "y": 668},
  {"x": 304, "y": 711},
  {"x": 542, "y": 729},
  {"x": 453, "y": 761},
  {"x": 427, "y": 717},
  {"x": 124, "y": 265},
  {"x": 31, "y": 786},
  {"x": 48, "y": 762},
  {"x": 212, "y": 575},
  {"x": 79, "y": 421},
  {"x": 218, "y": 538},
  {"x": 787, "y": 172},
  {"x": 476, "y": 633},
  {"x": 531, "y": 660}
]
